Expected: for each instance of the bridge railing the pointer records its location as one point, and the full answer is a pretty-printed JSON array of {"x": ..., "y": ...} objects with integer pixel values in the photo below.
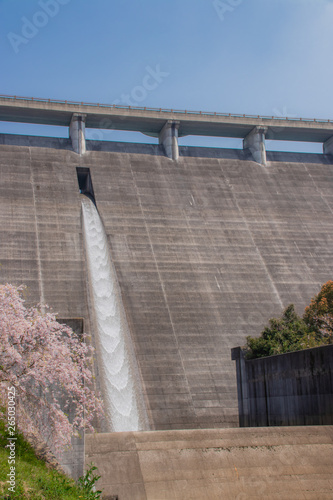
[{"x": 162, "y": 110}]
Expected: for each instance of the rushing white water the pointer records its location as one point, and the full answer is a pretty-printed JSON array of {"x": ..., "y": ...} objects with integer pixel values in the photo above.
[{"x": 122, "y": 387}]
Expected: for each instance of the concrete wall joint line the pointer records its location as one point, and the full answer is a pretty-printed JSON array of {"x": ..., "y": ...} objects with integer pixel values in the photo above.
[{"x": 39, "y": 262}]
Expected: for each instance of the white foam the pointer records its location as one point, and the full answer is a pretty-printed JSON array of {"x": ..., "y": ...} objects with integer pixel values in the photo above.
[{"x": 122, "y": 388}]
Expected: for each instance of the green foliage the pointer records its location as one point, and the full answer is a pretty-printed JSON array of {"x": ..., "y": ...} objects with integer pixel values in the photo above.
[
  {"x": 293, "y": 333},
  {"x": 87, "y": 483},
  {"x": 286, "y": 334},
  {"x": 34, "y": 479}
]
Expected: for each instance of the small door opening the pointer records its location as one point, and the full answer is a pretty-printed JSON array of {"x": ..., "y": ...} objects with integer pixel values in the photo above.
[{"x": 85, "y": 183}]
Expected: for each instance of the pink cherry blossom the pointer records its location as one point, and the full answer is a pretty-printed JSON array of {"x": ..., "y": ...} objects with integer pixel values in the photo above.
[{"x": 50, "y": 368}]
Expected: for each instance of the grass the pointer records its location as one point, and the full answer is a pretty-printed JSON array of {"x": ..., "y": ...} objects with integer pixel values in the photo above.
[{"x": 34, "y": 479}]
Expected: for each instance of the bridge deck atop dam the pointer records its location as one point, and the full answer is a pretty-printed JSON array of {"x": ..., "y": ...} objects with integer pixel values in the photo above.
[{"x": 151, "y": 120}]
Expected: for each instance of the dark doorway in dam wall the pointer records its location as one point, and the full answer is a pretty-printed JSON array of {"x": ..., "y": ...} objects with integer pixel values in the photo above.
[{"x": 85, "y": 183}]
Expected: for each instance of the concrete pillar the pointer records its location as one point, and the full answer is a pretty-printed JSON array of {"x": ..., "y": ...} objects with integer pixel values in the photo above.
[
  {"x": 169, "y": 138},
  {"x": 77, "y": 133},
  {"x": 328, "y": 146},
  {"x": 255, "y": 141}
]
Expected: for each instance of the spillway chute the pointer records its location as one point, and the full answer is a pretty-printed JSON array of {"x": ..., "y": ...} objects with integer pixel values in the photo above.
[{"x": 117, "y": 364}]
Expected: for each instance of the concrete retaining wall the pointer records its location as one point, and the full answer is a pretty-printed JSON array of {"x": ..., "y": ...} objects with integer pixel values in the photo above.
[
  {"x": 289, "y": 389},
  {"x": 293, "y": 463}
]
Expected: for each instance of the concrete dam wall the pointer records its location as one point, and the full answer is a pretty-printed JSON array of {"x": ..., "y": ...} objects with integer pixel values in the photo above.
[{"x": 206, "y": 249}]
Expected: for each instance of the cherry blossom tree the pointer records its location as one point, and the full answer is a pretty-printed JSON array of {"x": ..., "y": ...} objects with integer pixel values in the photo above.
[{"x": 50, "y": 369}]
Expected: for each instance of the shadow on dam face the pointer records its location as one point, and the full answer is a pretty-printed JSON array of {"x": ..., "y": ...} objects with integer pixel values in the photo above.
[{"x": 85, "y": 183}]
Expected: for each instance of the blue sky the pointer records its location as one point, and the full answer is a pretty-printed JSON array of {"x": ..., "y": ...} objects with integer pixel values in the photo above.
[{"x": 268, "y": 57}]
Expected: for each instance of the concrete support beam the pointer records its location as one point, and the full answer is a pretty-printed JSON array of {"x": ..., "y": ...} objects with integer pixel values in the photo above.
[
  {"x": 328, "y": 146},
  {"x": 255, "y": 141},
  {"x": 77, "y": 133},
  {"x": 169, "y": 138}
]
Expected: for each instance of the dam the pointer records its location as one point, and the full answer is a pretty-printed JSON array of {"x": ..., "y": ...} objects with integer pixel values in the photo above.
[{"x": 207, "y": 244}]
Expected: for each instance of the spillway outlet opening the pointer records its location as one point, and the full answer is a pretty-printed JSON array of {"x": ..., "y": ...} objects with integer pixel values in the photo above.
[{"x": 85, "y": 183}]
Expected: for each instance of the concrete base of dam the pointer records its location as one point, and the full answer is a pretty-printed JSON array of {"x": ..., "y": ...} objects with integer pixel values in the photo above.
[{"x": 276, "y": 463}]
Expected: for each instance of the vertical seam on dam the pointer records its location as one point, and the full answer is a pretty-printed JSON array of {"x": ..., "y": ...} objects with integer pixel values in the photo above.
[
  {"x": 39, "y": 263},
  {"x": 162, "y": 285}
]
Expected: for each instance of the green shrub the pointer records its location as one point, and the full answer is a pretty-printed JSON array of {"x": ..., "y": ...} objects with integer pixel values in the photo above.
[{"x": 285, "y": 334}]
